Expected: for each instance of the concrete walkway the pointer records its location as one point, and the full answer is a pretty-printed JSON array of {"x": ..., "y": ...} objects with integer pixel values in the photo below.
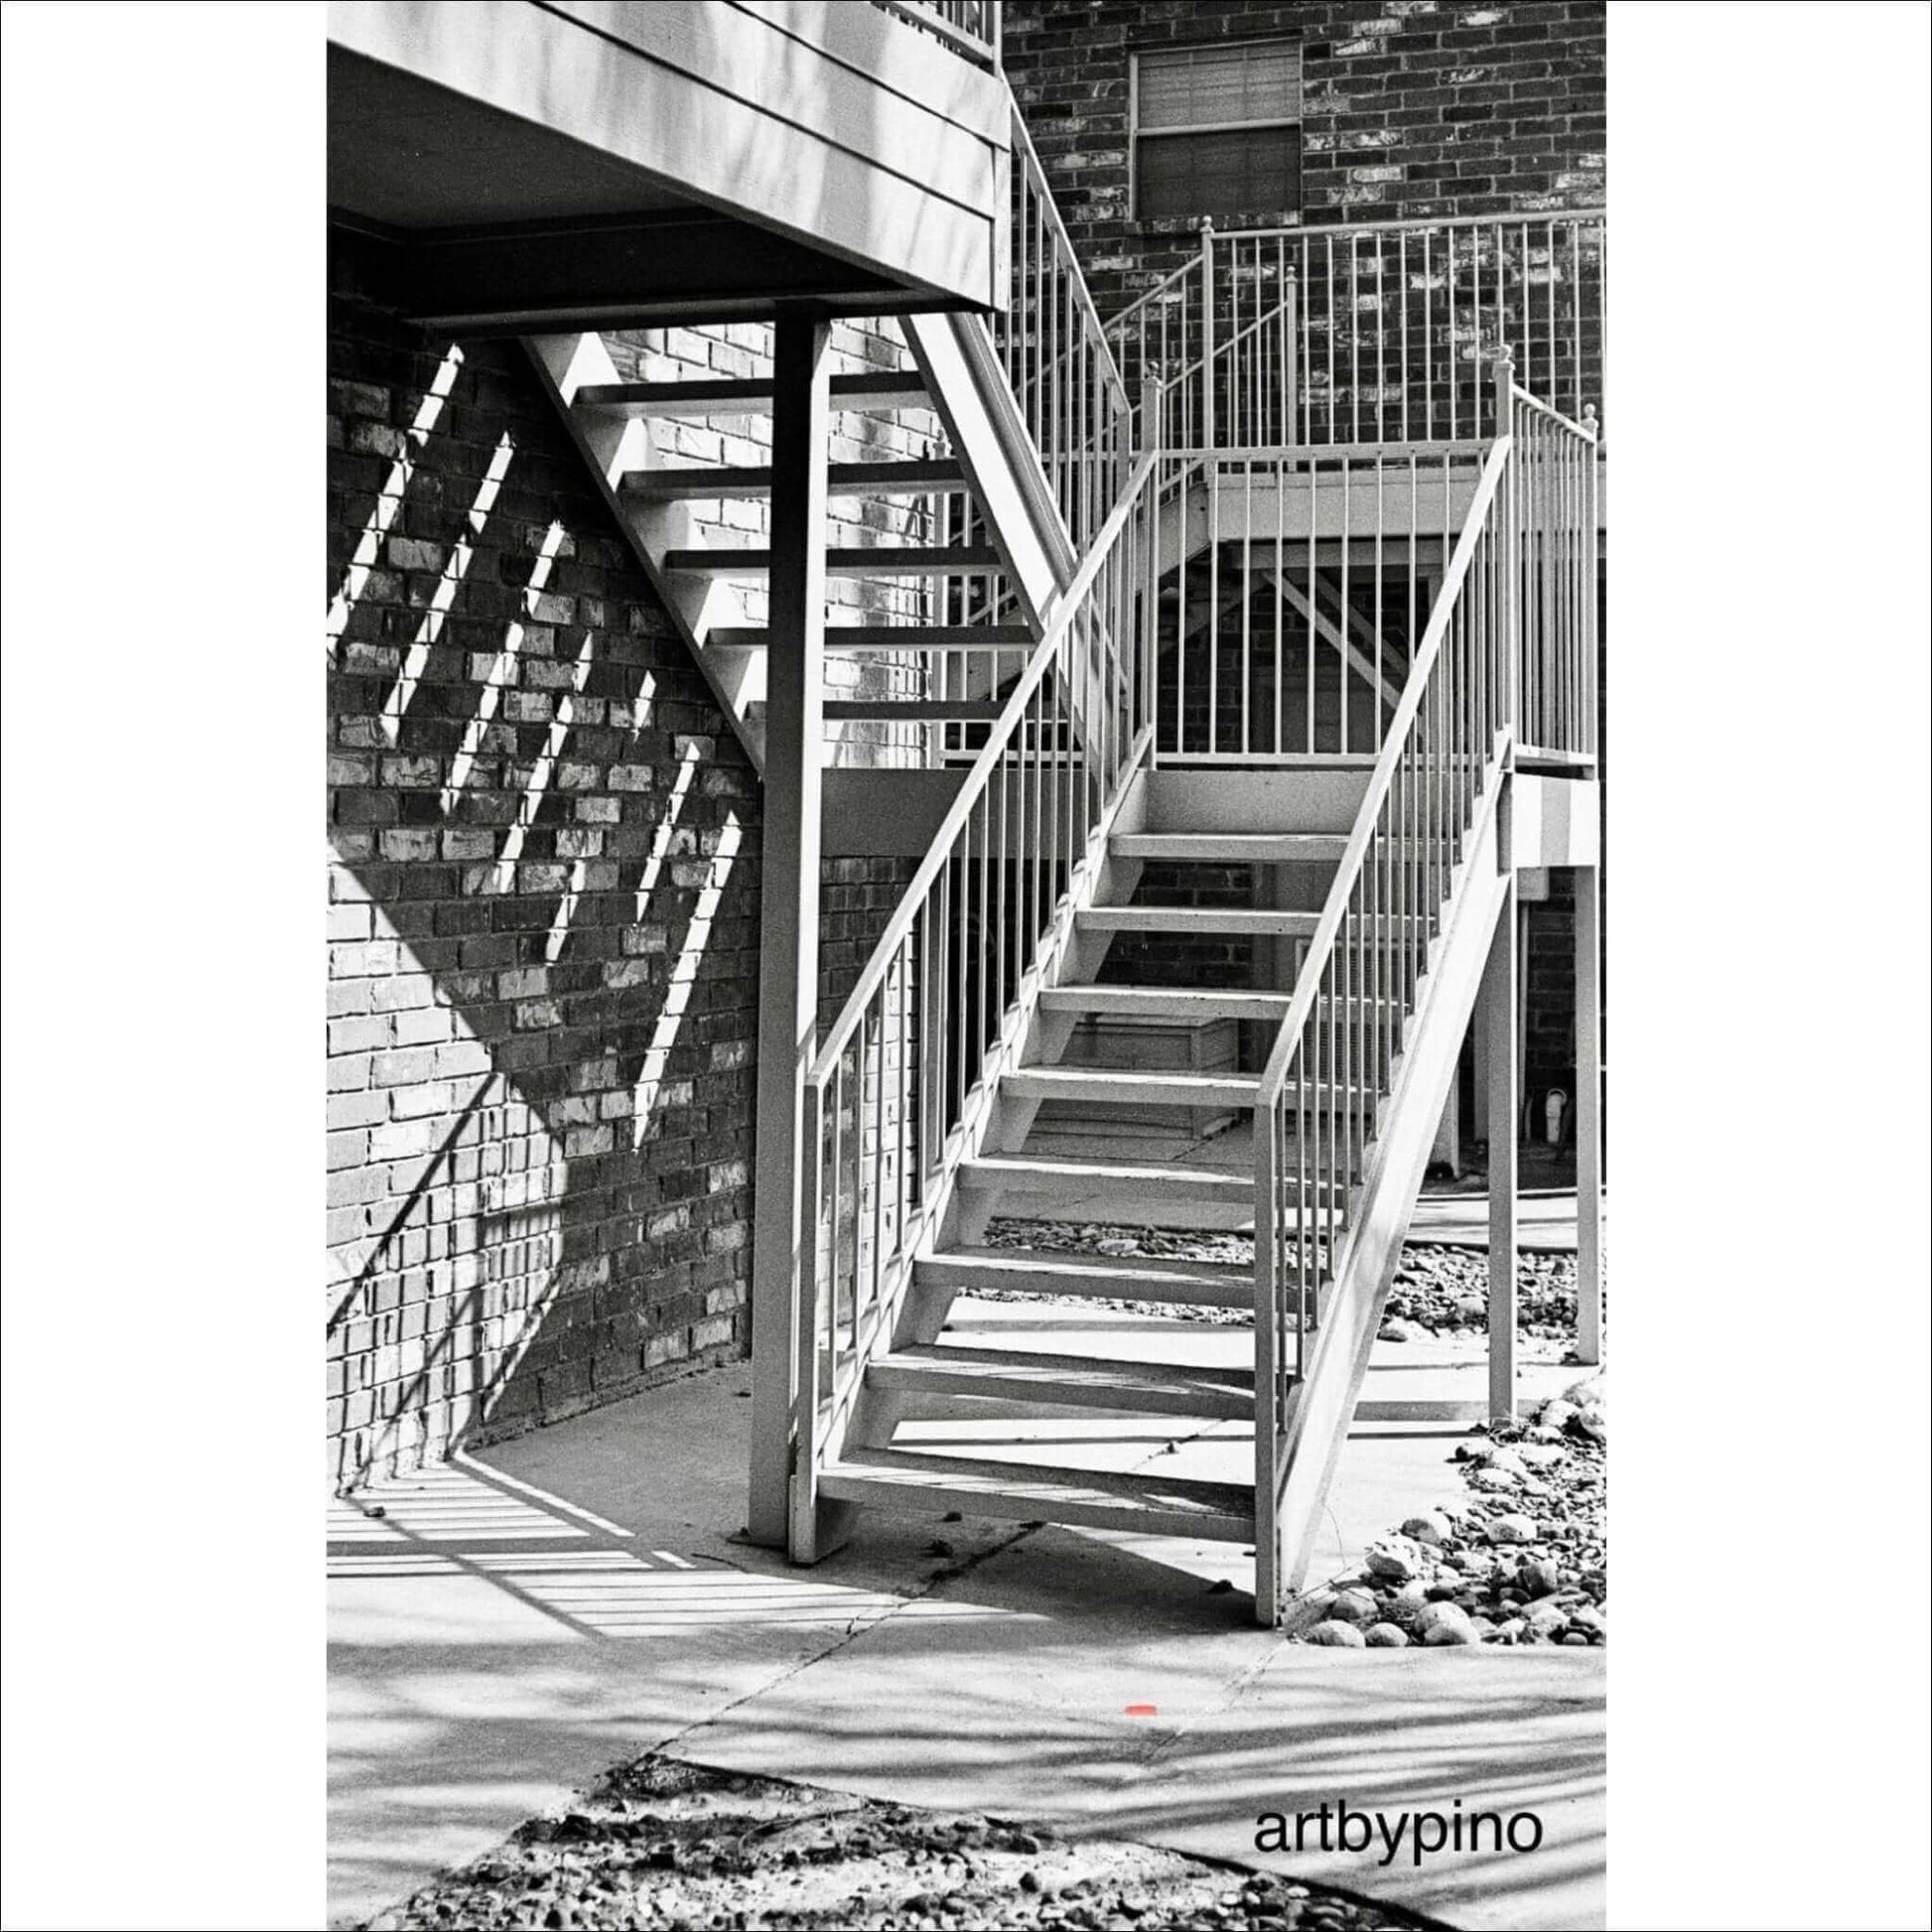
[{"x": 513, "y": 1624}]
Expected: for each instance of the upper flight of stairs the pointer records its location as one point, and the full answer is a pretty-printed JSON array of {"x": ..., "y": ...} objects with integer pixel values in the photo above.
[{"x": 985, "y": 537}]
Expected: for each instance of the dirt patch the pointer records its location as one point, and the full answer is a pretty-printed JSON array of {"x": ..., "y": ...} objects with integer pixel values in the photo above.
[{"x": 661, "y": 1843}]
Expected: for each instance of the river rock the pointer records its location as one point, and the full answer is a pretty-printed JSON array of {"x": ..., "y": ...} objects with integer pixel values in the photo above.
[
  {"x": 1355, "y": 1607},
  {"x": 1432, "y": 1527},
  {"x": 1386, "y": 1636},
  {"x": 1446, "y": 1623},
  {"x": 1512, "y": 1528},
  {"x": 1494, "y": 1480},
  {"x": 1540, "y": 1456},
  {"x": 1407, "y": 1602},
  {"x": 1541, "y": 1578},
  {"x": 1337, "y": 1635},
  {"x": 1555, "y": 1413},
  {"x": 1395, "y": 1560}
]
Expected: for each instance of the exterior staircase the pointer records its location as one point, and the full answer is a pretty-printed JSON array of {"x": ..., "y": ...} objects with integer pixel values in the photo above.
[{"x": 1074, "y": 631}]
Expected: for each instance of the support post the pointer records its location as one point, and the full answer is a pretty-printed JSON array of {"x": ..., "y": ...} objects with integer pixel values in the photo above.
[
  {"x": 1589, "y": 1116},
  {"x": 788, "y": 894},
  {"x": 1499, "y": 999}
]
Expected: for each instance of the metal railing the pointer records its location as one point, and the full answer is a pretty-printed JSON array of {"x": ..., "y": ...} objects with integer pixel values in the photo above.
[
  {"x": 1294, "y": 585},
  {"x": 900, "y": 1084},
  {"x": 1509, "y": 617},
  {"x": 1371, "y": 332},
  {"x": 969, "y": 27},
  {"x": 1054, "y": 350},
  {"x": 1555, "y": 506}
]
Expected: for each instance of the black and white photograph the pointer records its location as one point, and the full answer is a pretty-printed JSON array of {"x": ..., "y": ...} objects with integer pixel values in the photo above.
[{"x": 962, "y": 1141}]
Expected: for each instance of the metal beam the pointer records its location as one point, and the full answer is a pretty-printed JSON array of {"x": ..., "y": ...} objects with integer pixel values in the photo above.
[
  {"x": 1590, "y": 1115},
  {"x": 1498, "y": 997},
  {"x": 623, "y": 272},
  {"x": 789, "y": 898}
]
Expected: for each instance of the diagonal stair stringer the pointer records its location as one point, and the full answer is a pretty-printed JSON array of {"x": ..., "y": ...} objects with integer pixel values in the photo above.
[{"x": 1324, "y": 1405}]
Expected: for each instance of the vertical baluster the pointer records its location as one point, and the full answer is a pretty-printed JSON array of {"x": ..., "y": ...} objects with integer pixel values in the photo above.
[
  {"x": 1213, "y": 605},
  {"x": 1381, "y": 342},
  {"x": 1309, "y": 627},
  {"x": 1246, "y": 582},
  {"x": 1281, "y": 567},
  {"x": 1341, "y": 648},
  {"x": 1330, "y": 242}
]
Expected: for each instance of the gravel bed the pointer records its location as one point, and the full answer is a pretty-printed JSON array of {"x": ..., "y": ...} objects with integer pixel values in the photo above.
[
  {"x": 664, "y": 1844},
  {"x": 1518, "y": 1558},
  {"x": 1438, "y": 1291}
]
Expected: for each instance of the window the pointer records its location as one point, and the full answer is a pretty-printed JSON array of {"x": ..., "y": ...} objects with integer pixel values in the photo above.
[{"x": 1217, "y": 130}]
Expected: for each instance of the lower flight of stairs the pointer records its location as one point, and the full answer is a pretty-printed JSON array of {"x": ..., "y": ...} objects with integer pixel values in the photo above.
[{"x": 988, "y": 1375}]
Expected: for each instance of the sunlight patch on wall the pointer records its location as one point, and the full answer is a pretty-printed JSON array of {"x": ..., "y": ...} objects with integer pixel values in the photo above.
[
  {"x": 684, "y": 976},
  {"x": 504, "y": 875},
  {"x": 454, "y": 572},
  {"x": 369, "y": 546},
  {"x": 499, "y": 672}
]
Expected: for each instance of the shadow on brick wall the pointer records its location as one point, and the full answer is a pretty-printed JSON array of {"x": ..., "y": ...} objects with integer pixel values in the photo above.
[{"x": 543, "y": 960}]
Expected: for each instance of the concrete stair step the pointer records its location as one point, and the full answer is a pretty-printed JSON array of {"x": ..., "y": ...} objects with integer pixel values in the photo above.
[
  {"x": 1024, "y": 1492},
  {"x": 1067, "y": 1381}
]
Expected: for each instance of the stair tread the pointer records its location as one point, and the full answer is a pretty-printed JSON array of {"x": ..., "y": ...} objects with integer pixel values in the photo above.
[
  {"x": 1195, "y": 919},
  {"x": 1039, "y": 1173},
  {"x": 700, "y": 481},
  {"x": 1110, "y": 1277},
  {"x": 1127, "y": 1083},
  {"x": 1077, "y": 1381},
  {"x": 1180, "y": 1002},
  {"x": 1028, "y": 1491},
  {"x": 912, "y": 711},
  {"x": 733, "y": 395},
  {"x": 1248, "y": 848},
  {"x": 887, "y": 636},
  {"x": 877, "y": 560}
]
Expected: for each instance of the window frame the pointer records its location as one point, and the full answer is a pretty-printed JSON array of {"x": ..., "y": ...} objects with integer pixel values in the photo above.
[{"x": 1136, "y": 134}]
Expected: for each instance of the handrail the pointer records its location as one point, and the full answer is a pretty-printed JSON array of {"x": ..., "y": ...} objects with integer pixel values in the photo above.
[
  {"x": 977, "y": 775},
  {"x": 895, "y": 1099},
  {"x": 1273, "y": 1076},
  {"x": 1054, "y": 348}
]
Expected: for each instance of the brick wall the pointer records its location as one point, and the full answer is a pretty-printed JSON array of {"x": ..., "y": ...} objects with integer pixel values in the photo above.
[
  {"x": 542, "y": 966},
  {"x": 1410, "y": 108},
  {"x": 542, "y": 986}
]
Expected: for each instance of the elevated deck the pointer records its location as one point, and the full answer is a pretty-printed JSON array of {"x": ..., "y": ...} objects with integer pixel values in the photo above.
[{"x": 593, "y": 162}]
